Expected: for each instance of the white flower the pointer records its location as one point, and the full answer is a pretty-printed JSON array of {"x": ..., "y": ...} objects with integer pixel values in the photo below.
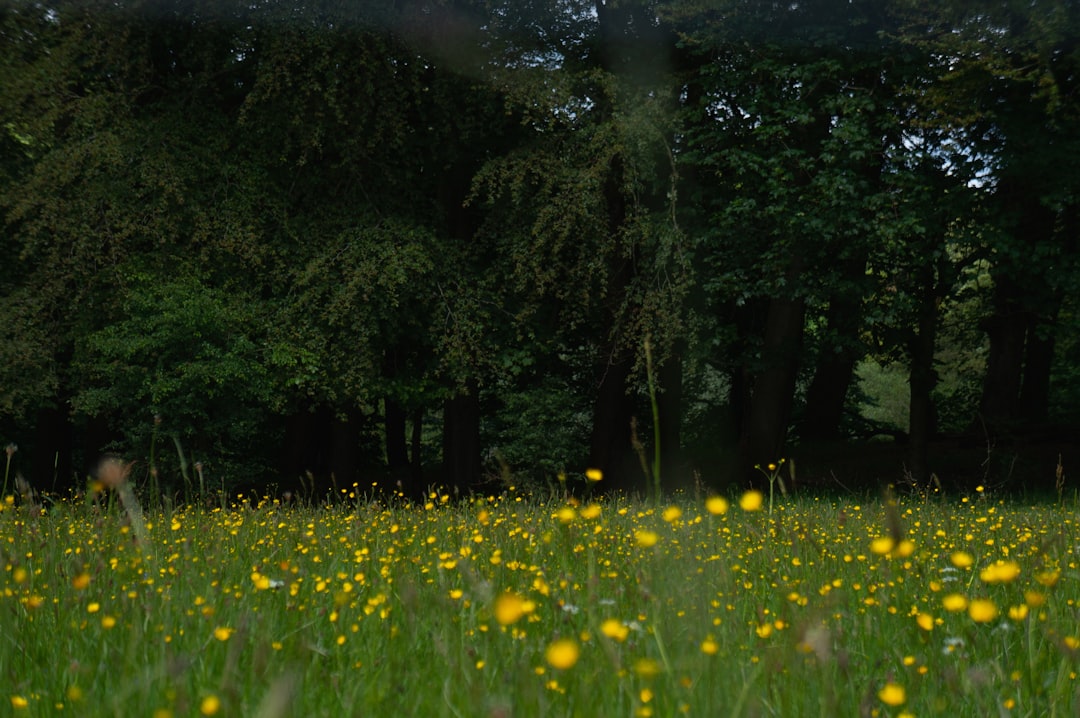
[{"x": 952, "y": 644}]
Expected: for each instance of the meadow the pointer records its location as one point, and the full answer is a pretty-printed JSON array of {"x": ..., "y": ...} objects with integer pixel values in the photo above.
[{"x": 514, "y": 605}]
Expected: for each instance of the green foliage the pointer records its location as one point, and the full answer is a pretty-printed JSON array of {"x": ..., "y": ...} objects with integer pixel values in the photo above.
[
  {"x": 373, "y": 201},
  {"x": 545, "y": 420},
  {"x": 187, "y": 357}
]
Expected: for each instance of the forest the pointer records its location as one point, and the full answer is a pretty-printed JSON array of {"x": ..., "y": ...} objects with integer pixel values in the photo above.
[{"x": 335, "y": 243}]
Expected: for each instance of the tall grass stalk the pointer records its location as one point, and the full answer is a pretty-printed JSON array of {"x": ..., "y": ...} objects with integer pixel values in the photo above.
[
  {"x": 10, "y": 451},
  {"x": 656, "y": 420}
]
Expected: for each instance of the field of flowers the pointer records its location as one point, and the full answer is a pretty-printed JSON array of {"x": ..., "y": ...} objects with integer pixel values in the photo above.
[{"x": 513, "y": 606}]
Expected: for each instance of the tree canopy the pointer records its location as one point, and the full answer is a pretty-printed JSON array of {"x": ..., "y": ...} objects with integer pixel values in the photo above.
[{"x": 448, "y": 241}]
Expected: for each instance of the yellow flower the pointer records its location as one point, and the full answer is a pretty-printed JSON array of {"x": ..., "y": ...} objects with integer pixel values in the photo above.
[
  {"x": 594, "y": 474},
  {"x": 882, "y": 545},
  {"x": 982, "y": 610},
  {"x": 210, "y": 705},
  {"x": 925, "y": 621},
  {"x": 646, "y": 539},
  {"x": 93, "y": 607},
  {"x": 1048, "y": 578},
  {"x": 563, "y": 653},
  {"x": 764, "y": 630},
  {"x": 509, "y": 608},
  {"x": 672, "y": 513},
  {"x": 591, "y": 511},
  {"x": 615, "y": 629},
  {"x": 955, "y": 602},
  {"x": 1034, "y": 599},
  {"x": 566, "y": 514},
  {"x": 1000, "y": 572},
  {"x": 81, "y": 581},
  {"x": 905, "y": 548},
  {"x": 1018, "y": 613},
  {"x": 709, "y": 647},
  {"x": 716, "y": 505},
  {"x": 18, "y": 702},
  {"x": 961, "y": 559},
  {"x": 892, "y": 694},
  {"x": 647, "y": 668},
  {"x": 222, "y": 633},
  {"x": 751, "y": 501}
]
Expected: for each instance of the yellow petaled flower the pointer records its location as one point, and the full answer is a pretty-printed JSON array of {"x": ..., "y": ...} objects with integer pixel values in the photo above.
[
  {"x": 1000, "y": 572},
  {"x": 615, "y": 629},
  {"x": 716, "y": 505},
  {"x": 751, "y": 501},
  {"x": 563, "y": 653},
  {"x": 904, "y": 549},
  {"x": 108, "y": 622},
  {"x": 764, "y": 630},
  {"x": 222, "y": 633},
  {"x": 647, "y": 668},
  {"x": 982, "y": 610},
  {"x": 81, "y": 581},
  {"x": 93, "y": 607},
  {"x": 955, "y": 602},
  {"x": 646, "y": 539},
  {"x": 594, "y": 474},
  {"x": 961, "y": 559},
  {"x": 591, "y": 511},
  {"x": 1018, "y": 613},
  {"x": 18, "y": 702},
  {"x": 566, "y": 514},
  {"x": 709, "y": 647},
  {"x": 925, "y": 621},
  {"x": 509, "y": 608},
  {"x": 210, "y": 705},
  {"x": 1048, "y": 578},
  {"x": 1034, "y": 599},
  {"x": 882, "y": 545},
  {"x": 892, "y": 694},
  {"x": 672, "y": 513}
]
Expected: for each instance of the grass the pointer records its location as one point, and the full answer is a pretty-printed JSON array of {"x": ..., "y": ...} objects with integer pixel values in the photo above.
[{"x": 509, "y": 606}]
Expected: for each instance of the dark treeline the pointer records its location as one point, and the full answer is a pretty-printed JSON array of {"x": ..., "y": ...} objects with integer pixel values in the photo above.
[{"x": 428, "y": 241}]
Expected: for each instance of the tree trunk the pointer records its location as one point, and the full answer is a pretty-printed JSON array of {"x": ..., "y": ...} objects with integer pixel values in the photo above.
[
  {"x": 774, "y": 388},
  {"x": 610, "y": 447},
  {"x": 1038, "y": 361},
  {"x": 344, "y": 449},
  {"x": 1007, "y": 330},
  {"x": 1019, "y": 296},
  {"x": 461, "y": 440},
  {"x": 922, "y": 421},
  {"x": 416, "y": 461},
  {"x": 827, "y": 395},
  {"x": 397, "y": 450},
  {"x": 52, "y": 450},
  {"x": 673, "y": 473}
]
